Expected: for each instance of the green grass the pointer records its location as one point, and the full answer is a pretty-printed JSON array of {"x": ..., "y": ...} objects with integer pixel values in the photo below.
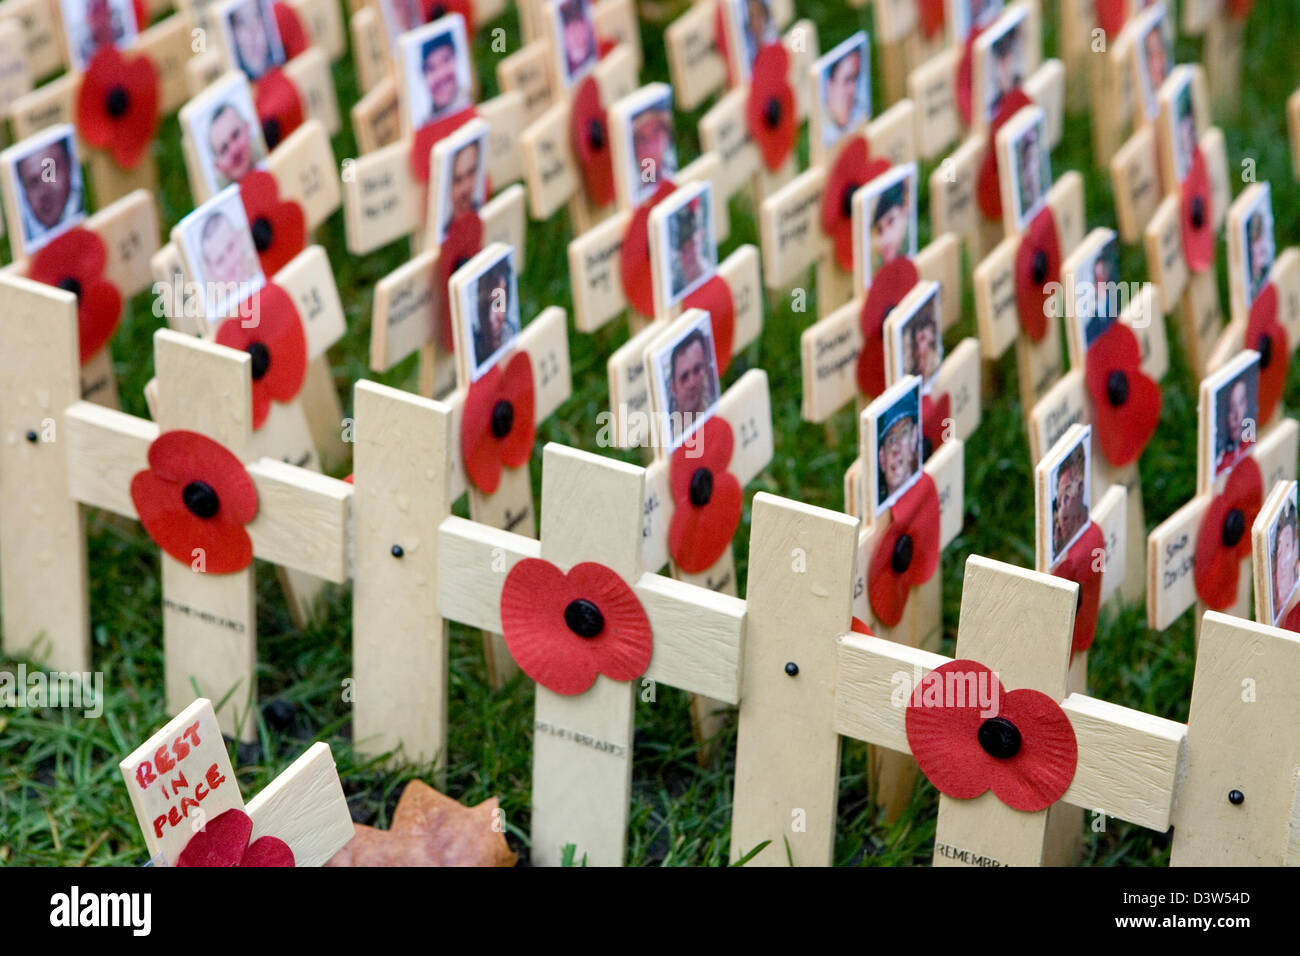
[{"x": 61, "y": 797}]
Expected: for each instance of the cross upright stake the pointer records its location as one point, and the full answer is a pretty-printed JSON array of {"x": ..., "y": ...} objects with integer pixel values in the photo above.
[
  {"x": 209, "y": 625},
  {"x": 582, "y": 770},
  {"x": 180, "y": 781}
]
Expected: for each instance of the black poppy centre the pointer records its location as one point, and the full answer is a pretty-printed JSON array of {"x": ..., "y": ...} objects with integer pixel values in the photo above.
[
  {"x": 701, "y": 487},
  {"x": 1234, "y": 526},
  {"x": 261, "y": 356},
  {"x": 596, "y": 134},
  {"x": 999, "y": 737},
  {"x": 584, "y": 618},
  {"x": 271, "y": 132},
  {"x": 901, "y": 558},
  {"x": 201, "y": 499},
  {"x": 263, "y": 233},
  {"x": 1198, "y": 212},
  {"x": 1117, "y": 388},
  {"x": 772, "y": 112},
  {"x": 503, "y": 418},
  {"x": 69, "y": 284},
  {"x": 1265, "y": 349},
  {"x": 1039, "y": 267},
  {"x": 117, "y": 101}
]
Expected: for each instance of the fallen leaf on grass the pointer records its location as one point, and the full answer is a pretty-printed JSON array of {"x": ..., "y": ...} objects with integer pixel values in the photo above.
[{"x": 431, "y": 829}]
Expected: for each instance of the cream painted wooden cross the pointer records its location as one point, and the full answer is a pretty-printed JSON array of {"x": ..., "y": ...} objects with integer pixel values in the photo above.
[
  {"x": 128, "y": 228},
  {"x": 409, "y": 302},
  {"x": 168, "y": 45},
  {"x": 408, "y": 470},
  {"x": 382, "y": 198},
  {"x": 724, "y": 129},
  {"x": 1228, "y": 401},
  {"x": 1193, "y": 294},
  {"x": 1224, "y": 45},
  {"x": 791, "y": 219},
  {"x": 1017, "y": 63},
  {"x": 92, "y": 457},
  {"x": 630, "y": 401},
  {"x": 1018, "y": 623},
  {"x": 1118, "y": 60},
  {"x": 181, "y": 779},
  {"x": 699, "y": 50},
  {"x": 552, "y": 173},
  {"x": 997, "y": 278},
  {"x": 830, "y": 347},
  {"x": 592, "y": 511},
  {"x": 373, "y": 37},
  {"x": 16, "y": 73},
  {"x": 1068, "y": 402},
  {"x": 306, "y": 429}
]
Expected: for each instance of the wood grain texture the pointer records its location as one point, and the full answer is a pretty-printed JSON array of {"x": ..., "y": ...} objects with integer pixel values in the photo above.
[{"x": 305, "y": 807}]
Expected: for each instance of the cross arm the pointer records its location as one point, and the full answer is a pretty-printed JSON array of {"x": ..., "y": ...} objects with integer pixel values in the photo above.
[
  {"x": 305, "y": 807},
  {"x": 303, "y": 520},
  {"x": 466, "y": 551},
  {"x": 698, "y": 636},
  {"x": 873, "y": 681},
  {"x": 105, "y": 450},
  {"x": 1129, "y": 762}
]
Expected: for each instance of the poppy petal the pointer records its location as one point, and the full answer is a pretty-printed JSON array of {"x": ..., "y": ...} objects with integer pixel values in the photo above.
[
  {"x": 1042, "y": 769},
  {"x": 988, "y": 188},
  {"x": 888, "y": 287},
  {"x": 936, "y": 415},
  {"x": 859, "y": 626},
  {"x": 1292, "y": 621},
  {"x": 1080, "y": 566},
  {"x": 1038, "y": 270},
  {"x": 293, "y": 35},
  {"x": 117, "y": 105},
  {"x": 478, "y": 446},
  {"x": 1126, "y": 401},
  {"x": 279, "y": 228},
  {"x": 700, "y": 533},
  {"x": 1198, "y": 219},
  {"x": 943, "y": 719},
  {"x": 1111, "y": 15},
  {"x": 623, "y": 649},
  {"x": 517, "y": 389},
  {"x": 267, "y": 850},
  {"x": 277, "y": 329},
  {"x": 1266, "y": 335},
  {"x": 634, "y": 256},
  {"x": 463, "y": 241},
  {"x": 931, "y": 16},
  {"x": 770, "y": 109},
  {"x": 76, "y": 259},
  {"x": 428, "y": 135},
  {"x": 916, "y": 516},
  {"x": 221, "y": 842},
  {"x": 853, "y": 169},
  {"x": 964, "y": 78},
  {"x": 437, "y": 9},
  {"x": 1218, "y": 561},
  {"x": 715, "y": 298},
  {"x": 589, "y": 135}
]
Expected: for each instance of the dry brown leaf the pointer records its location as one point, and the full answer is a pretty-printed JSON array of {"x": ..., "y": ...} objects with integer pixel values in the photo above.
[{"x": 431, "y": 829}]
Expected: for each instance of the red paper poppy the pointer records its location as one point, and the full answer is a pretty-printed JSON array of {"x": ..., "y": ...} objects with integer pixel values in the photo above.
[
  {"x": 1292, "y": 620},
  {"x": 275, "y": 340},
  {"x": 589, "y": 135},
  {"x": 564, "y": 629},
  {"x": 196, "y": 496},
  {"x": 1111, "y": 15},
  {"x": 988, "y": 188},
  {"x": 1125, "y": 400},
  {"x": 75, "y": 262},
  {"x": 634, "y": 256},
  {"x": 970, "y": 735},
  {"x": 293, "y": 34},
  {"x": 1198, "y": 220},
  {"x": 714, "y": 297},
  {"x": 1080, "y": 566},
  {"x": 769, "y": 111},
  {"x": 429, "y": 135},
  {"x": 463, "y": 241},
  {"x": 888, "y": 287},
  {"x": 117, "y": 105},
  {"x": 964, "y": 78},
  {"x": 931, "y": 15},
  {"x": 936, "y": 415},
  {"x": 853, "y": 169},
  {"x": 279, "y": 227},
  {"x": 908, "y": 552},
  {"x": 706, "y": 498},
  {"x": 1265, "y": 334},
  {"x": 1038, "y": 271},
  {"x": 860, "y": 627},
  {"x": 1223, "y": 540},
  {"x": 604, "y": 45},
  {"x": 280, "y": 109},
  {"x": 437, "y": 9},
  {"x": 223, "y": 841},
  {"x": 1240, "y": 8},
  {"x": 499, "y": 422}
]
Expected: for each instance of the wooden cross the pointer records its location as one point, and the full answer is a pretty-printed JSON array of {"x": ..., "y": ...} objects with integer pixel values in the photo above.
[
  {"x": 127, "y": 226},
  {"x": 831, "y": 346},
  {"x": 1194, "y": 294},
  {"x": 906, "y": 43},
  {"x": 790, "y": 219},
  {"x": 168, "y": 44},
  {"x": 582, "y": 744},
  {"x": 378, "y": 186},
  {"x": 15, "y": 66},
  {"x": 698, "y": 53},
  {"x": 1009, "y": 51},
  {"x": 1228, "y": 402},
  {"x": 409, "y": 301},
  {"x": 209, "y": 624},
  {"x": 1224, "y": 46},
  {"x": 181, "y": 779},
  {"x": 724, "y": 129},
  {"x": 1068, "y": 402},
  {"x": 291, "y": 429},
  {"x": 995, "y": 281},
  {"x": 1018, "y": 623},
  {"x": 1138, "y": 45},
  {"x": 629, "y": 384},
  {"x": 407, "y": 473}
]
